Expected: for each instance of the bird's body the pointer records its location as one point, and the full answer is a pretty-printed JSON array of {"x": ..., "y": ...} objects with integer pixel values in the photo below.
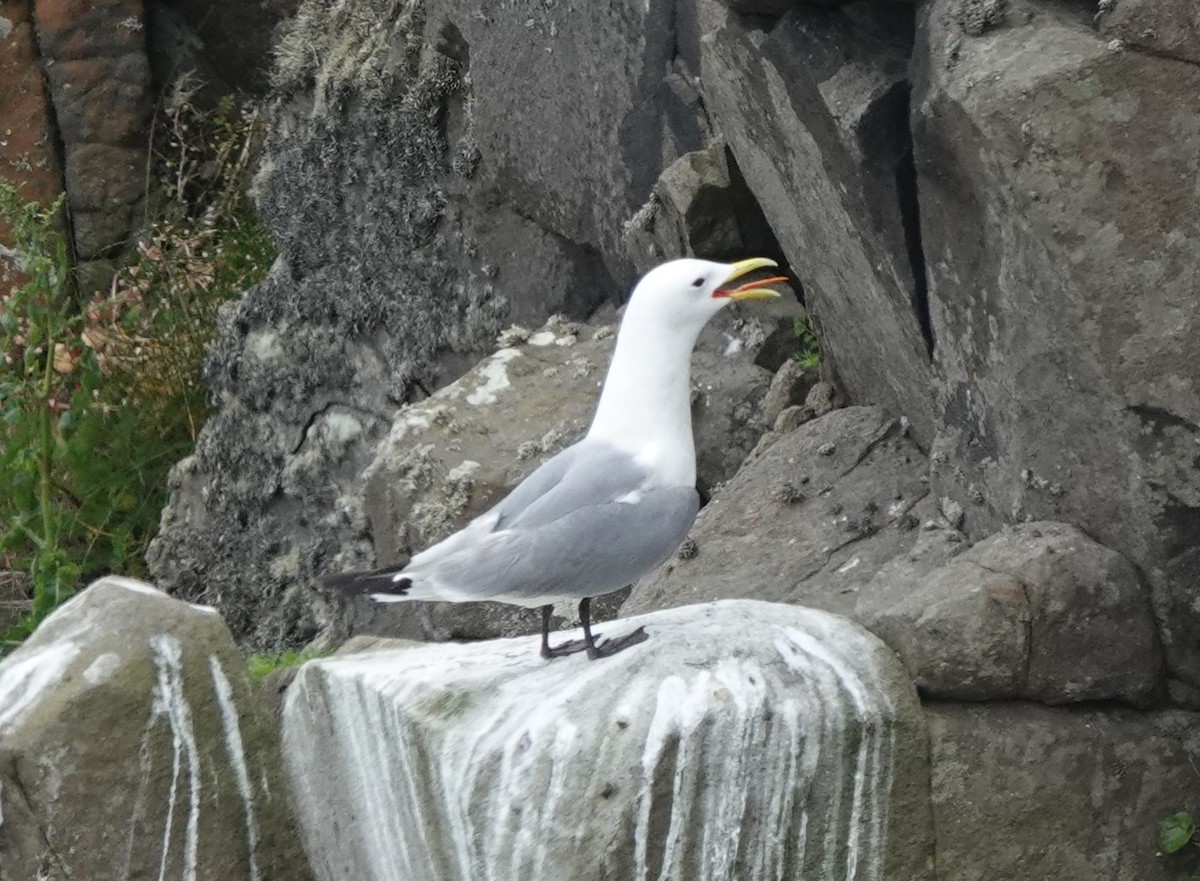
[{"x": 613, "y": 506}]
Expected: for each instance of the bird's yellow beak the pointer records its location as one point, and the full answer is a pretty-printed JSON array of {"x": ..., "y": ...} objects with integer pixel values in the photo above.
[{"x": 751, "y": 290}]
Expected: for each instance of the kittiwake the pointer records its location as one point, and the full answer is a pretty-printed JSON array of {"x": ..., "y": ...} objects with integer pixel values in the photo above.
[{"x": 614, "y": 505}]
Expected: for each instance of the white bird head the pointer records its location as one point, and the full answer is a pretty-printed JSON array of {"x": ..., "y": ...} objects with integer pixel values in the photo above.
[{"x": 682, "y": 295}]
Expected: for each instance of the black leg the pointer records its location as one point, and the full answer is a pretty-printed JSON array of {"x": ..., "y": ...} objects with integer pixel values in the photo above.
[
  {"x": 610, "y": 646},
  {"x": 567, "y": 648}
]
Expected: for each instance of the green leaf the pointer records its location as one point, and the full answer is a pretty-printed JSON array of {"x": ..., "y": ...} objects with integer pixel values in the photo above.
[{"x": 1175, "y": 832}]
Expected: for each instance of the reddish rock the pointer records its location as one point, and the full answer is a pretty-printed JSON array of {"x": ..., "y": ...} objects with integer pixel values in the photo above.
[
  {"x": 94, "y": 56},
  {"x": 27, "y": 157}
]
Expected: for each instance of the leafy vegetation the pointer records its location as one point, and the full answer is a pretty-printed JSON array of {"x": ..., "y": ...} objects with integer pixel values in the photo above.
[
  {"x": 1175, "y": 832},
  {"x": 808, "y": 352},
  {"x": 101, "y": 395},
  {"x": 263, "y": 664}
]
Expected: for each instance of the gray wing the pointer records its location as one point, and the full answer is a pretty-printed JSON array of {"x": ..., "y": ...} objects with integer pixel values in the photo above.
[
  {"x": 592, "y": 549},
  {"x": 584, "y": 474}
]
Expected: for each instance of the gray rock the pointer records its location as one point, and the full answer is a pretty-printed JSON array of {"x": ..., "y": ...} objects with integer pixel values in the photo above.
[
  {"x": 795, "y": 526},
  {"x": 94, "y": 61},
  {"x": 422, "y": 181},
  {"x": 699, "y": 207},
  {"x": 1170, "y": 28},
  {"x": 1037, "y": 611},
  {"x": 455, "y": 454},
  {"x": 743, "y": 740},
  {"x": 1069, "y": 386},
  {"x": 132, "y": 745},
  {"x": 815, "y": 111},
  {"x": 1021, "y": 791},
  {"x": 789, "y": 387},
  {"x": 237, "y": 39}
]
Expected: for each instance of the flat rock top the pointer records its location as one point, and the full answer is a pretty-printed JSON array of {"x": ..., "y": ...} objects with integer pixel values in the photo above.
[
  {"x": 681, "y": 640},
  {"x": 742, "y": 740}
]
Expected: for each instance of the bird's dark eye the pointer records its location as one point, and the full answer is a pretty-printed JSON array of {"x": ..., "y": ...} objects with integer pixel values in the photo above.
[{"x": 698, "y": 283}]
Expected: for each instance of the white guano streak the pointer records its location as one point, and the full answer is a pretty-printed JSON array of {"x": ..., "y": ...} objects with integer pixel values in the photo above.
[
  {"x": 237, "y": 757},
  {"x": 487, "y": 788},
  {"x": 170, "y": 702},
  {"x": 25, "y": 678}
]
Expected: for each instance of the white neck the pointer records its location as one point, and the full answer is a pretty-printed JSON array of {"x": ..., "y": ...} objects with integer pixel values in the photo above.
[{"x": 645, "y": 408}]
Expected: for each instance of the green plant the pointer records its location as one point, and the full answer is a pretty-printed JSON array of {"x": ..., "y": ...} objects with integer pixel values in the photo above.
[
  {"x": 1175, "y": 833},
  {"x": 808, "y": 352},
  {"x": 102, "y": 397},
  {"x": 37, "y": 325},
  {"x": 262, "y": 664}
]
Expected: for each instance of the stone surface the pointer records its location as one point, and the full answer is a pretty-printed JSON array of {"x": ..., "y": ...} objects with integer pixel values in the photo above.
[
  {"x": 742, "y": 740},
  {"x": 454, "y": 455},
  {"x": 1161, "y": 27},
  {"x": 1022, "y": 791},
  {"x": 131, "y": 745},
  {"x": 93, "y": 54},
  {"x": 815, "y": 112},
  {"x": 27, "y": 155},
  {"x": 699, "y": 207},
  {"x": 1066, "y": 321},
  {"x": 425, "y": 187},
  {"x": 809, "y": 521},
  {"x": 235, "y": 37},
  {"x": 789, "y": 387},
  {"x": 1037, "y": 611}
]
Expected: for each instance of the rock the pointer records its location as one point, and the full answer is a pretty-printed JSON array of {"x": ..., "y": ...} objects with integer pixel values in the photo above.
[
  {"x": 742, "y": 740},
  {"x": 1069, "y": 387},
  {"x": 27, "y": 156},
  {"x": 699, "y": 207},
  {"x": 1038, "y": 611},
  {"x": 237, "y": 39},
  {"x": 454, "y": 455},
  {"x": 421, "y": 200},
  {"x": 815, "y": 112},
  {"x": 798, "y": 527},
  {"x": 1169, "y": 28},
  {"x": 131, "y": 746},
  {"x": 1022, "y": 791},
  {"x": 789, "y": 387},
  {"x": 94, "y": 58}
]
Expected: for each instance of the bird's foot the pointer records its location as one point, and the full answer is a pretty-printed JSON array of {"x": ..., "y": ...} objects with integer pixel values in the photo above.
[
  {"x": 610, "y": 647},
  {"x": 570, "y": 647}
]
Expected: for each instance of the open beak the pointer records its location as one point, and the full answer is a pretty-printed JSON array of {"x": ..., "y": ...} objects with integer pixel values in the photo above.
[{"x": 753, "y": 290}]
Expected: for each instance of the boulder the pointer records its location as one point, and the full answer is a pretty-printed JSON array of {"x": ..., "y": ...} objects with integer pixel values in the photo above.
[
  {"x": 1037, "y": 611},
  {"x": 1021, "y": 791},
  {"x": 94, "y": 58},
  {"x": 789, "y": 388},
  {"x": 809, "y": 521},
  {"x": 1066, "y": 321},
  {"x": 237, "y": 39},
  {"x": 455, "y": 454},
  {"x": 742, "y": 740},
  {"x": 131, "y": 745},
  {"x": 425, "y": 188},
  {"x": 1170, "y": 28},
  {"x": 814, "y": 109},
  {"x": 700, "y": 207}
]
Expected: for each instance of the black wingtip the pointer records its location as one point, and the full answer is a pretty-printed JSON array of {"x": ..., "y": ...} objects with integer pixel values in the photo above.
[{"x": 375, "y": 581}]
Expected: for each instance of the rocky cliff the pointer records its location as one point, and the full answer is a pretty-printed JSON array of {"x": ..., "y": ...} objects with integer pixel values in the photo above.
[{"x": 990, "y": 211}]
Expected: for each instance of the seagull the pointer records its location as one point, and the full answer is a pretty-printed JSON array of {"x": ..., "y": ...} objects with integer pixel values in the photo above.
[{"x": 609, "y": 508}]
